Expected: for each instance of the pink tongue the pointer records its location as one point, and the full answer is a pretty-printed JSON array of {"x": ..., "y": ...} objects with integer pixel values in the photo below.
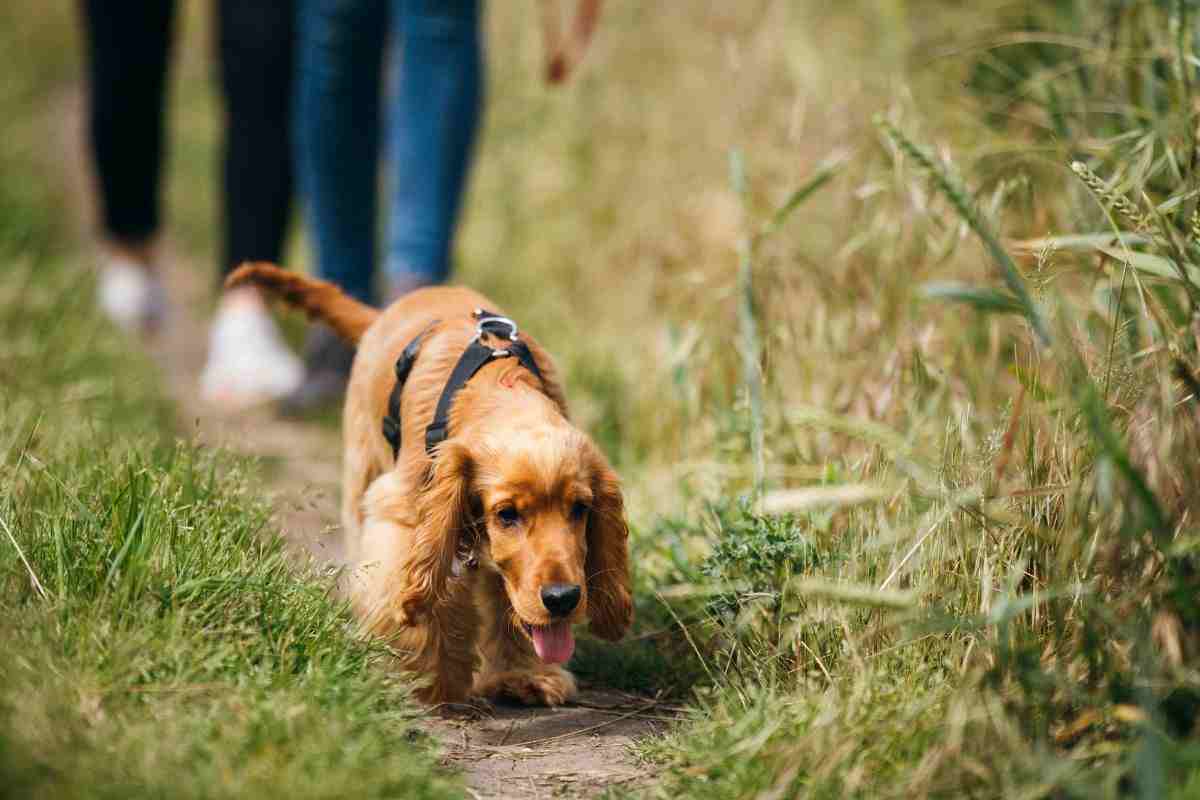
[{"x": 554, "y": 643}]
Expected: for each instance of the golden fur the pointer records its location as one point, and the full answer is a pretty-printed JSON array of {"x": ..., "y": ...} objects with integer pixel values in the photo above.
[{"x": 406, "y": 520}]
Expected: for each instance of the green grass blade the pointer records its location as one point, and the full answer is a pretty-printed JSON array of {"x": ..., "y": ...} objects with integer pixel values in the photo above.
[
  {"x": 752, "y": 377},
  {"x": 980, "y": 298},
  {"x": 958, "y": 198},
  {"x": 824, "y": 173}
]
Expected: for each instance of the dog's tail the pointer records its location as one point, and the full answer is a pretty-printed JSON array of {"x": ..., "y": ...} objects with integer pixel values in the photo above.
[{"x": 319, "y": 299}]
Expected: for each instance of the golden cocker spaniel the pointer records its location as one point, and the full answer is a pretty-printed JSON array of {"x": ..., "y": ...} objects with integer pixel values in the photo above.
[{"x": 473, "y": 557}]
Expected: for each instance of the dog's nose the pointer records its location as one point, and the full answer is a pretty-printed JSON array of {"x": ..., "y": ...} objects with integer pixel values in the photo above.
[{"x": 560, "y": 599}]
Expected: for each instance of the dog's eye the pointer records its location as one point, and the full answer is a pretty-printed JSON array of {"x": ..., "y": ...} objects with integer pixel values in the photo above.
[
  {"x": 508, "y": 516},
  {"x": 579, "y": 509}
]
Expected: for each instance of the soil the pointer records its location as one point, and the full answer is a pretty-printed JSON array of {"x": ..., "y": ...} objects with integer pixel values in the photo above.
[{"x": 504, "y": 751}]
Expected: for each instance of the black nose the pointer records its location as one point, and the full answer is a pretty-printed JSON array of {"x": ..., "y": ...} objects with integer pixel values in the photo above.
[{"x": 560, "y": 599}]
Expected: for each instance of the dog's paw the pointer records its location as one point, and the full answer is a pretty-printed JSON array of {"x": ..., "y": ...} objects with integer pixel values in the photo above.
[
  {"x": 440, "y": 691},
  {"x": 472, "y": 709},
  {"x": 552, "y": 686}
]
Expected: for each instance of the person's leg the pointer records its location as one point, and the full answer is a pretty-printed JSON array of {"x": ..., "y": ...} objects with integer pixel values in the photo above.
[
  {"x": 128, "y": 51},
  {"x": 128, "y": 47},
  {"x": 256, "y": 44},
  {"x": 438, "y": 95},
  {"x": 247, "y": 357},
  {"x": 340, "y": 55}
]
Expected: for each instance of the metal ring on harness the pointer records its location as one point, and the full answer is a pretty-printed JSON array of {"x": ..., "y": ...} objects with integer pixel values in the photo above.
[
  {"x": 476, "y": 355},
  {"x": 487, "y": 320}
]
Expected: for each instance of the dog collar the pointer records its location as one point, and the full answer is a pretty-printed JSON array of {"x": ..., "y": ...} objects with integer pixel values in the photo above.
[{"x": 471, "y": 361}]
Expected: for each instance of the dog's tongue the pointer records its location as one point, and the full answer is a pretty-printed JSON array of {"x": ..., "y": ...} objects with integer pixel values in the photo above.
[{"x": 554, "y": 643}]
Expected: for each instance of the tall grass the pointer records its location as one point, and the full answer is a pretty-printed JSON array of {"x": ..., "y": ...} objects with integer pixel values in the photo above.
[{"x": 989, "y": 586}]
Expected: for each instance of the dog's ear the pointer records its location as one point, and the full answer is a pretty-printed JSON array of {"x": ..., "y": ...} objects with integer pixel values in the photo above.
[
  {"x": 610, "y": 604},
  {"x": 444, "y": 513}
]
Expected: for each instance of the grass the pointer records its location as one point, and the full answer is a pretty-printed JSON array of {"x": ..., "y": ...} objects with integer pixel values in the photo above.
[
  {"x": 1004, "y": 608},
  {"x": 1031, "y": 466},
  {"x": 906, "y": 409},
  {"x": 169, "y": 647},
  {"x": 156, "y": 640}
]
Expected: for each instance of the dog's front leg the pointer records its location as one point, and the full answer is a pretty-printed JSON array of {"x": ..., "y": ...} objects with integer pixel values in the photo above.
[
  {"x": 439, "y": 645},
  {"x": 510, "y": 666},
  {"x": 450, "y": 656}
]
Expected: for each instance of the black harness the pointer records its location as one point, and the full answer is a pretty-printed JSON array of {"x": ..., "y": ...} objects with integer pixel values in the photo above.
[{"x": 471, "y": 361}]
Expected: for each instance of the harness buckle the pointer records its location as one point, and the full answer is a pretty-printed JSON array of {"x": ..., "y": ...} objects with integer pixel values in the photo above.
[{"x": 487, "y": 322}]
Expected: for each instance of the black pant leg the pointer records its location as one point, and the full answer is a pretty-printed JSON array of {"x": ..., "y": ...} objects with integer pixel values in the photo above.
[
  {"x": 256, "y": 42},
  {"x": 128, "y": 50}
]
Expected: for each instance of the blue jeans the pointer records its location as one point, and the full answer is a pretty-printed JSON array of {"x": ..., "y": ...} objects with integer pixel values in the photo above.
[{"x": 435, "y": 94}]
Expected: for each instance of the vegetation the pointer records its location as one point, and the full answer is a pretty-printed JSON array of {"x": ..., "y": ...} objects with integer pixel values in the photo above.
[
  {"x": 888, "y": 315},
  {"x": 156, "y": 641},
  {"x": 988, "y": 582}
]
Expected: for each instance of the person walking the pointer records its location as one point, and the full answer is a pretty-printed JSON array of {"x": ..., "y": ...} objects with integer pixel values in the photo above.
[
  {"x": 433, "y": 53},
  {"x": 129, "y": 47},
  {"x": 405, "y": 76}
]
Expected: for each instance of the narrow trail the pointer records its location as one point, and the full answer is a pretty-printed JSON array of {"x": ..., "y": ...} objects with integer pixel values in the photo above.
[{"x": 512, "y": 751}]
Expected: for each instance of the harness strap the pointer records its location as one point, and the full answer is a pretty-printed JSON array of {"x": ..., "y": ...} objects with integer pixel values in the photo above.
[
  {"x": 472, "y": 360},
  {"x": 404, "y": 365}
]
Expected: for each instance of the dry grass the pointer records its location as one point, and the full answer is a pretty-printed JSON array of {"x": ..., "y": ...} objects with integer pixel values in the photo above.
[{"x": 1038, "y": 502}]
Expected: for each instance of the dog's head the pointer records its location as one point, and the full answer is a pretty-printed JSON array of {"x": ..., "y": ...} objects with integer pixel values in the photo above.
[{"x": 536, "y": 499}]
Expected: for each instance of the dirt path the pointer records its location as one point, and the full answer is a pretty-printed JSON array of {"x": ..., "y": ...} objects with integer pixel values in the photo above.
[{"x": 512, "y": 752}]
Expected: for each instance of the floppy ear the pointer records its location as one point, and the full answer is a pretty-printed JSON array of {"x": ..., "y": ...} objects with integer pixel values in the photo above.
[
  {"x": 443, "y": 515},
  {"x": 610, "y": 605}
]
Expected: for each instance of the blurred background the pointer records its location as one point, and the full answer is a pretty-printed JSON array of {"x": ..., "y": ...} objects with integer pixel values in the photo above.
[{"x": 886, "y": 313}]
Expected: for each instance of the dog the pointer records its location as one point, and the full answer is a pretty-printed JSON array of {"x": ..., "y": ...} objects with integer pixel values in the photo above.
[{"x": 472, "y": 554}]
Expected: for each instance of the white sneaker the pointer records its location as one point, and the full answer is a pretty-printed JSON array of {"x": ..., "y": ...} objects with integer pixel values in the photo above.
[
  {"x": 131, "y": 295},
  {"x": 248, "y": 361}
]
